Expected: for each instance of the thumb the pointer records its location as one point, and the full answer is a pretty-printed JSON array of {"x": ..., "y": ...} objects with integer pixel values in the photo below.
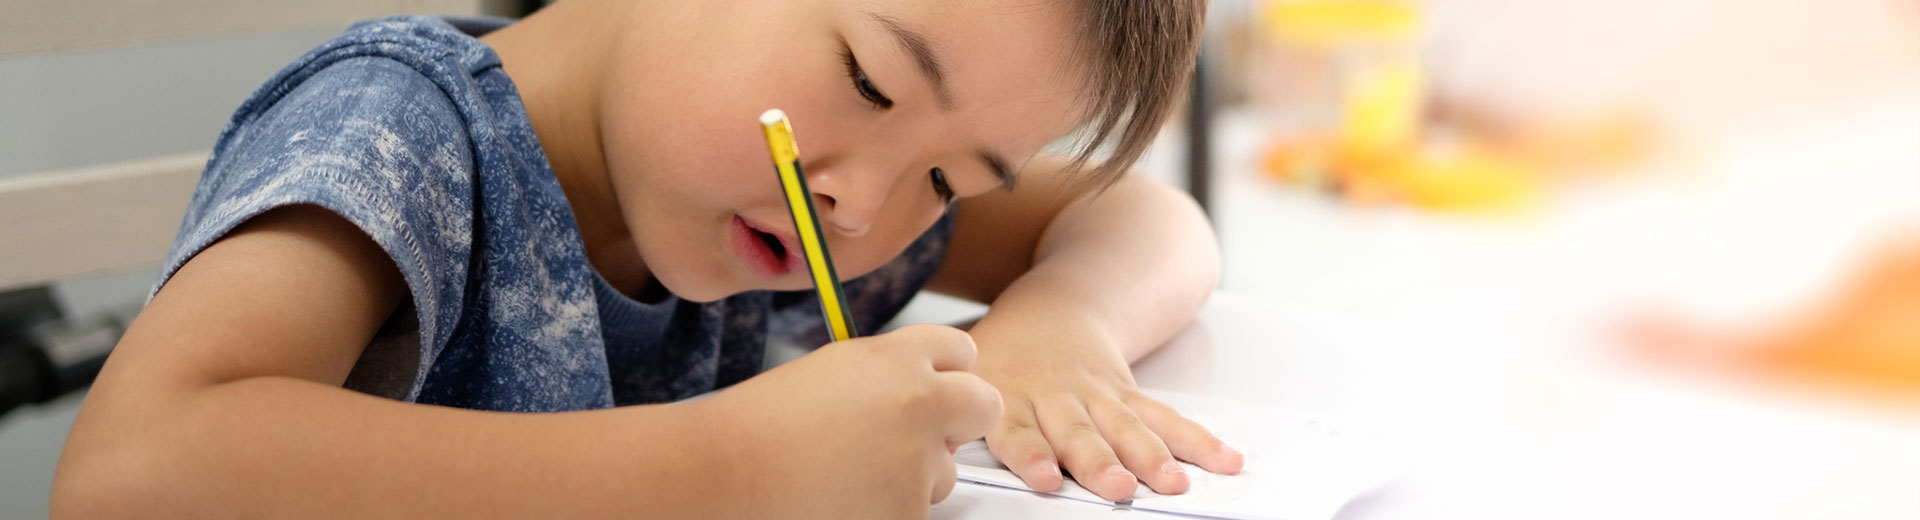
[{"x": 973, "y": 407}]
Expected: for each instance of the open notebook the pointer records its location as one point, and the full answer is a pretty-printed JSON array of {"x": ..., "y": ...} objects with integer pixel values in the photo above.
[{"x": 1297, "y": 467}]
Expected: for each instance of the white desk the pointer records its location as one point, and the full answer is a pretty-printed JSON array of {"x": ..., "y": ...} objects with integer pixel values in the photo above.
[{"x": 1515, "y": 436}]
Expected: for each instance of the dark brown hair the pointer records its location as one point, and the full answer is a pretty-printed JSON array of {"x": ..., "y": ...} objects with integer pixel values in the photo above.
[{"x": 1139, "y": 54}]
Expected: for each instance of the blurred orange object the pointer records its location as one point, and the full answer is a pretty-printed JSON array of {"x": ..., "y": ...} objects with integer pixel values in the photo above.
[
  {"x": 1601, "y": 140},
  {"x": 1484, "y": 167},
  {"x": 1437, "y": 177},
  {"x": 1868, "y": 339},
  {"x": 1463, "y": 178}
]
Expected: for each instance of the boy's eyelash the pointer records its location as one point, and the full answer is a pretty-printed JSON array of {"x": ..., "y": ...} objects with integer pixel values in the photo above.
[
  {"x": 940, "y": 185},
  {"x": 861, "y": 84}
]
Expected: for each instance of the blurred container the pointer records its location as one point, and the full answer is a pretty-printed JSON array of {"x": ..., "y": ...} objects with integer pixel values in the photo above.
[
  {"x": 1324, "y": 65},
  {"x": 1344, "y": 85}
]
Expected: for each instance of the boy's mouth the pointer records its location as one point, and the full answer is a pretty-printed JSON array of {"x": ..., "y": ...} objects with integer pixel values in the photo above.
[
  {"x": 773, "y": 243},
  {"x": 766, "y": 252}
]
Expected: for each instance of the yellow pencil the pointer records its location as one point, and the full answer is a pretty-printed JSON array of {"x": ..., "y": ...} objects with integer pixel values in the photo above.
[{"x": 806, "y": 223}]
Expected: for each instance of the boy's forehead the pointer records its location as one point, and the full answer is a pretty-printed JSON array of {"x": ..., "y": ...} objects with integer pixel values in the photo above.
[
  {"x": 989, "y": 42},
  {"x": 1009, "y": 65}
]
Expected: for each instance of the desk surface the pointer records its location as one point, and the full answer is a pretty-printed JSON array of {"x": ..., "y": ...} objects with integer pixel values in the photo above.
[
  {"x": 1481, "y": 344},
  {"x": 1500, "y": 434}
]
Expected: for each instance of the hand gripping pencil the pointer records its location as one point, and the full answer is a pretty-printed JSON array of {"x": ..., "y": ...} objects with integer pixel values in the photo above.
[{"x": 806, "y": 223}]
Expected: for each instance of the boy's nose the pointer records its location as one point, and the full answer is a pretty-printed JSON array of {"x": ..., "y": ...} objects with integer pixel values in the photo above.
[{"x": 847, "y": 207}]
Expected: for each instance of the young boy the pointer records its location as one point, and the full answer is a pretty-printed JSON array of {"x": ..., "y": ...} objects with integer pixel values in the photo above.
[{"x": 576, "y": 213}]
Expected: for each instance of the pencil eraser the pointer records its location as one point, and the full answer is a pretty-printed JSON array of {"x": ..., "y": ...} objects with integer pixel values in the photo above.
[{"x": 772, "y": 116}]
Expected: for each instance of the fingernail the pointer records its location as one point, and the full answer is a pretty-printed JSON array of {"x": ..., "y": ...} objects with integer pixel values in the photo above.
[
  {"x": 1119, "y": 471},
  {"x": 1044, "y": 468},
  {"x": 1172, "y": 468}
]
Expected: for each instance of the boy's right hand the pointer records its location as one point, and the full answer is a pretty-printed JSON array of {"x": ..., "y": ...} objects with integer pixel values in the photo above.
[{"x": 863, "y": 428}]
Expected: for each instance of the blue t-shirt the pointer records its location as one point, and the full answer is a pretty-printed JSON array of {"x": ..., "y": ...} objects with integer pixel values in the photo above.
[{"x": 409, "y": 128}]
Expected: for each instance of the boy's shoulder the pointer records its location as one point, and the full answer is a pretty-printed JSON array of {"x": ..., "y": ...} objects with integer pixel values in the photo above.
[
  {"x": 395, "y": 97},
  {"x": 440, "y": 51},
  {"x": 359, "y": 120},
  {"x": 426, "y": 36},
  {"x": 385, "y": 125}
]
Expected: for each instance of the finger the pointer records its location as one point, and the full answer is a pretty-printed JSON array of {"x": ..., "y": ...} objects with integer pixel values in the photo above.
[
  {"x": 1065, "y": 424},
  {"x": 972, "y": 407},
  {"x": 1138, "y": 447},
  {"x": 949, "y": 348},
  {"x": 1186, "y": 439},
  {"x": 945, "y": 477},
  {"x": 1017, "y": 442}
]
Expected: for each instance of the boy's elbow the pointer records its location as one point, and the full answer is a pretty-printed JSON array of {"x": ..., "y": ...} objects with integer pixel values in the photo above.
[
  {"x": 123, "y": 481},
  {"x": 1195, "y": 230}
]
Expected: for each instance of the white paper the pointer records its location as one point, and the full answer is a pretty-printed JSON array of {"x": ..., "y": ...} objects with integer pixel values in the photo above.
[{"x": 1297, "y": 467}]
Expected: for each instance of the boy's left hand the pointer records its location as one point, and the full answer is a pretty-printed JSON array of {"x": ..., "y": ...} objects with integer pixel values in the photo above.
[{"x": 1071, "y": 404}]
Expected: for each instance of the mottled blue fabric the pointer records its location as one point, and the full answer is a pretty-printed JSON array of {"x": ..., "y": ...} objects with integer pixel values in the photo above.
[{"x": 409, "y": 129}]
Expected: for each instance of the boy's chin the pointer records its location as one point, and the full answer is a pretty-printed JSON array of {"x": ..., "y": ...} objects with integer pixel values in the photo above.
[
  {"x": 700, "y": 290},
  {"x": 701, "y": 293}
]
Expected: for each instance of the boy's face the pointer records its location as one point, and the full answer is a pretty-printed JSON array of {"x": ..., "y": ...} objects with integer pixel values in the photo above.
[{"x": 690, "y": 167}]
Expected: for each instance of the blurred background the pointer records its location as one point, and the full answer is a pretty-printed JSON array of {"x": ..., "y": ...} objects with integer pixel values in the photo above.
[{"x": 1652, "y": 258}]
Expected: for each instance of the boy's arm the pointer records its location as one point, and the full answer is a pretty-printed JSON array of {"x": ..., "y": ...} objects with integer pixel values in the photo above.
[
  {"x": 183, "y": 424},
  {"x": 224, "y": 400},
  {"x": 1079, "y": 286}
]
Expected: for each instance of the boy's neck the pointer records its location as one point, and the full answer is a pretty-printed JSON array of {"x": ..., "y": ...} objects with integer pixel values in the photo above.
[{"x": 551, "y": 57}]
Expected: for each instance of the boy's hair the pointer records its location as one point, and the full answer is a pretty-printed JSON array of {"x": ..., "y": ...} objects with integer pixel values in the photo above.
[{"x": 1139, "y": 53}]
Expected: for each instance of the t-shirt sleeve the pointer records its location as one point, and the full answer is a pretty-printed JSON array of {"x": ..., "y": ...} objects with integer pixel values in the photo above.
[
  {"x": 875, "y": 298},
  {"x": 369, "y": 139}
]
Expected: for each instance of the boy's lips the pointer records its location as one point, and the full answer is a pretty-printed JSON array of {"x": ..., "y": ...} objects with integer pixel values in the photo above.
[{"x": 768, "y": 252}]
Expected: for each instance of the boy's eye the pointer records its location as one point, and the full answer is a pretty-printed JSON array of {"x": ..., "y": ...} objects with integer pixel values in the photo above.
[
  {"x": 940, "y": 186},
  {"x": 863, "y": 85}
]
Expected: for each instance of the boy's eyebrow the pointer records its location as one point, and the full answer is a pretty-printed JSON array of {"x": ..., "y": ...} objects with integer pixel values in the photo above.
[{"x": 916, "y": 44}]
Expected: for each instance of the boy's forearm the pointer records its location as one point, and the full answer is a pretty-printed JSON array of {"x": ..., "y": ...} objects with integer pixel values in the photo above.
[
  {"x": 283, "y": 447},
  {"x": 1133, "y": 264}
]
